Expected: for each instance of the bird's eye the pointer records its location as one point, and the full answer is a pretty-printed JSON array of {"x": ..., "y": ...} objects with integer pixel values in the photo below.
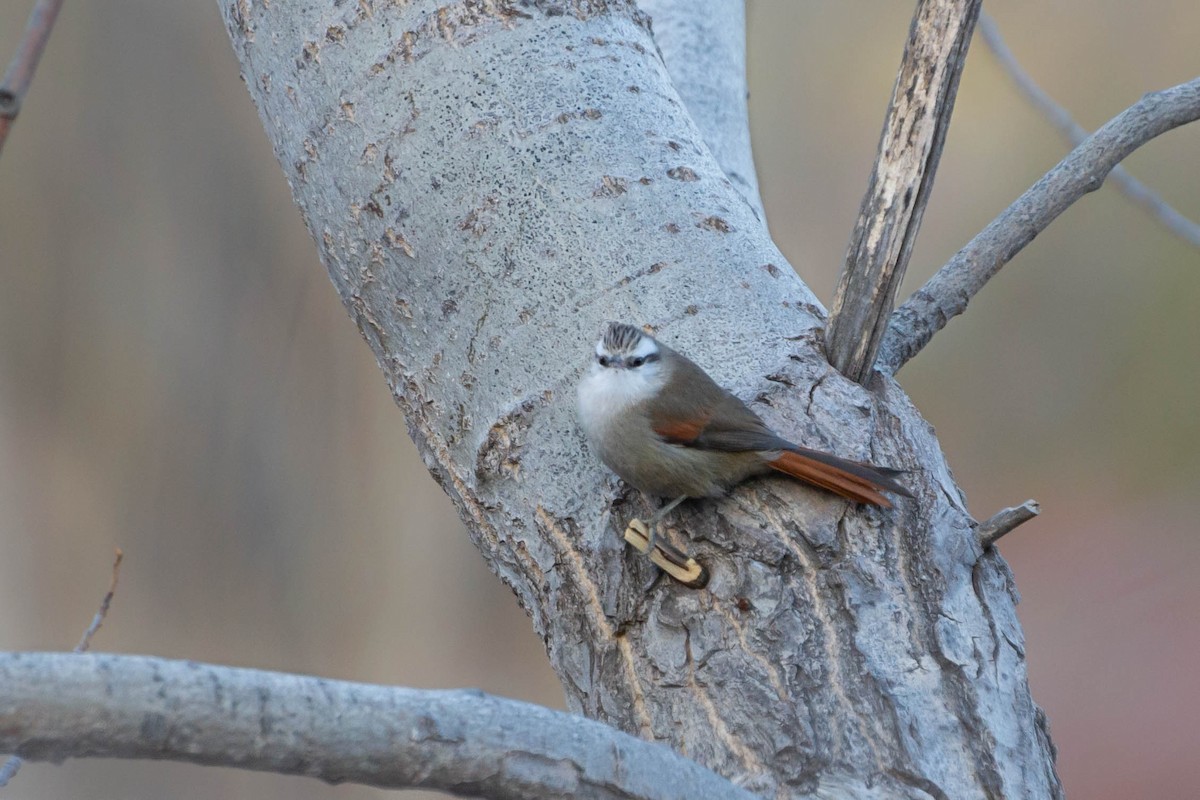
[
  {"x": 636, "y": 361},
  {"x": 604, "y": 360}
]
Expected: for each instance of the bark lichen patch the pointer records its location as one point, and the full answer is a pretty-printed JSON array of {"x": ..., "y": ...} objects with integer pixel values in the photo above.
[
  {"x": 715, "y": 223},
  {"x": 479, "y": 219},
  {"x": 467, "y": 22},
  {"x": 395, "y": 239},
  {"x": 610, "y": 187},
  {"x": 499, "y": 456}
]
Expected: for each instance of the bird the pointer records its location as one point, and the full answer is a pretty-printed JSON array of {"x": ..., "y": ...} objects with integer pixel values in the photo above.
[{"x": 656, "y": 419}]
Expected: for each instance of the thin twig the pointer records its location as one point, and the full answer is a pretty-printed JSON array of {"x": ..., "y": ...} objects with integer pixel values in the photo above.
[
  {"x": 20, "y": 70},
  {"x": 9, "y": 769},
  {"x": 947, "y": 293},
  {"x": 1005, "y": 521},
  {"x": 910, "y": 147},
  {"x": 1130, "y": 186},
  {"x": 86, "y": 641}
]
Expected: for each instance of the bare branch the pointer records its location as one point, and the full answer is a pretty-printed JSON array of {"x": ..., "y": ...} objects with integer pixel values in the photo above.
[
  {"x": 1005, "y": 521},
  {"x": 58, "y": 705},
  {"x": 947, "y": 293},
  {"x": 1130, "y": 186},
  {"x": 86, "y": 640},
  {"x": 909, "y": 149},
  {"x": 9, "y": 769},
  {"x": 20, "y": 70}
]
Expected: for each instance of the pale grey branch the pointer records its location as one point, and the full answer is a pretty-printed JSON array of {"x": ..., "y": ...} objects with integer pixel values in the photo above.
[
  {"x": 1061, "y": 119},
  {"x": 1005, "y": 521},
  {"x": 703, "y": 43},
  {"x": 948, "y": 292},
  {"x": 55, "y": 706},
  {"x": 905, "y": 164},
  {"x": 13, "y": 764}
]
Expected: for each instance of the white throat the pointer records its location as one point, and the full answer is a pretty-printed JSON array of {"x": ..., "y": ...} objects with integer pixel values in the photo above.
[{"x": 605, "y": 393}]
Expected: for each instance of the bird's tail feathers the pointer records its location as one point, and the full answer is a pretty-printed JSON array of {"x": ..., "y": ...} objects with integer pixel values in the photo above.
[{"x": 856, "y": 481}]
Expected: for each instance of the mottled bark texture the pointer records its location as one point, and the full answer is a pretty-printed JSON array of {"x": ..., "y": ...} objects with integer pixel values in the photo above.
[{"x": 487, "y": 183}]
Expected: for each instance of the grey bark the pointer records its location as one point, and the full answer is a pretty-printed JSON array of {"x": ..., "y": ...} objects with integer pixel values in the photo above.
[
  {"x": 487, "y": 182},
  {"x": 703, "y": 44},
  {"x": 464, "y": 742}
]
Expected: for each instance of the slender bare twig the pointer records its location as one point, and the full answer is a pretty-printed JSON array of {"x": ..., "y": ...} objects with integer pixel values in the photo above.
[
  {"x": 905, "y": 163},
  {"x": 1004, "y": 521},
  {"x": 86, "y": 640},
  {"x": 20, "y": 70},
  {"x": 947, "y": 293},
  {"x": 57, "y": 705},
  {"x": 9, "y": 769},
  {"x": 1130, "y": 186}
]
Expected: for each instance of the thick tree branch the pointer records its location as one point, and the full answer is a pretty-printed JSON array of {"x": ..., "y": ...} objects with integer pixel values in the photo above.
[
  {"x": 20, "y": 70},
  {"x": 1075, "y": 133},
  {"x": 488, "y": 183},
  {"x": 947, "y": 293},
  {"x": 55, "y": 706},
  {"x": 909, "y": 149}
]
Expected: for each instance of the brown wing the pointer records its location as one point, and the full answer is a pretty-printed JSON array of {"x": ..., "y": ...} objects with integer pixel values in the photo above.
[{"x": 699, "y": 413}]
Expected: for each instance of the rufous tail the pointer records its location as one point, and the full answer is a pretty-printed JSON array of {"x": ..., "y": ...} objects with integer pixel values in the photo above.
[{"x": 859, "y": 482}]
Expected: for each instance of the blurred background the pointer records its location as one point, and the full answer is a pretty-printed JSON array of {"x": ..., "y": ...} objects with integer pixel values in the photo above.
[{"x": 177, "y": 377}]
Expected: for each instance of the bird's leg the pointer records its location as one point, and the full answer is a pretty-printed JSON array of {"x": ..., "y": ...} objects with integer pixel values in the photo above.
[{"x": 652, "y": 523}]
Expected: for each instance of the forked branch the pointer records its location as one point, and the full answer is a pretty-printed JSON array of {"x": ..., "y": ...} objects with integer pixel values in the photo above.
[{"x": 948, "y": 292}]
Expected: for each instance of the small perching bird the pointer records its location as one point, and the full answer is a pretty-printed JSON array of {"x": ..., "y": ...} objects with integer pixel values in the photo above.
[{"x": 665, "y": 427}]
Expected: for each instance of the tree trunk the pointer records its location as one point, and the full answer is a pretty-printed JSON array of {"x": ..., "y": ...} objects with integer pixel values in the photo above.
[{"x": 488, "y": 182}]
